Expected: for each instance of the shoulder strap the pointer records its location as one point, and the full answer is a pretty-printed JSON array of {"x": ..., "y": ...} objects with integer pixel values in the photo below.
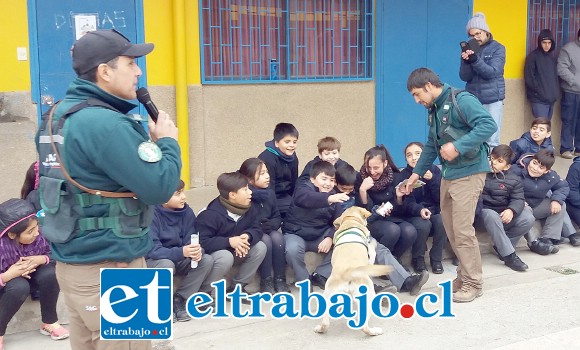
[
  {"x": 453, "y": 94},
  {"x": 101, "y": 193}
]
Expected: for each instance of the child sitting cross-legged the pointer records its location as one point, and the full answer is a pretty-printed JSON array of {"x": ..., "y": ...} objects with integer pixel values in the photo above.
[
  {"x": 24, "y": 263},
  {"x": 504, "y": 214}
]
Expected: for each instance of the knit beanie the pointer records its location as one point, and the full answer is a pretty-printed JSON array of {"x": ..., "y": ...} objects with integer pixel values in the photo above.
[{"x": 477, "y": 22}]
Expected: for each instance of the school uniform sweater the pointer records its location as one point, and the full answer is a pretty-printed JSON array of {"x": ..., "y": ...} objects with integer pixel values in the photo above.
[
  {"x": 265, "y": 201},
  {"x": 525, "y": 144},
  {"x": 310, "y": 215},
  {"x": 170, "y": 231},
  {"x": 536, "y": 188},
  {"x": 215, "y": 227}
]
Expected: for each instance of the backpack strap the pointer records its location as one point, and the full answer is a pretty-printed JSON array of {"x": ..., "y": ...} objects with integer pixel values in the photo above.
[
  {"x": 453, "y": 97},
  {"x": 75, "y": 109}
]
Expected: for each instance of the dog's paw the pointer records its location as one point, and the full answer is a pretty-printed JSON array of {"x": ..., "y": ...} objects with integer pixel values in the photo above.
[
  {"x": 322, "y": 329},
  {"x": 374, "y": 331}
]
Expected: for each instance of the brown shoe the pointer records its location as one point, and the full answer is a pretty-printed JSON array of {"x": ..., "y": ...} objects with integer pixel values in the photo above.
[
  {"x": 467, "y": 294},
  {"x": 567, "y": 155},
  {"x": 457, "y": 284}
]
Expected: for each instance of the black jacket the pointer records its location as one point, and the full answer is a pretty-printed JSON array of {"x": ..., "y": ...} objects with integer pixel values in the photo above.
[
  {"x": 573, "y": 179},
  {"x": 428, "y": 196},
  {"x": 310, "y": 215},
  {"x": 269, "y": 216},
  {"x": 536, "y": 188},
  {"x": 503, "y": 191},
  {"x": 283, "y": 175},
  {"x": 215, "y": 227},
  {"x": 540, "y": 73},
  {"x": 526, "y": 144},
  {"x": 306, "y": 172},
  {"x": 408, "y": 207}
]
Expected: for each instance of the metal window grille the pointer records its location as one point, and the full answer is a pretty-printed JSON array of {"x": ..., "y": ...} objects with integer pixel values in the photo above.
[
  {"x": 562, "y": 17},
  {"x": 249, "y": 41}
]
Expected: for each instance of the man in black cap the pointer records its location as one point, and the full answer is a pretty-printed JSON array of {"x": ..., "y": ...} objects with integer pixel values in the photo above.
[{"x": 100, "y": 176}]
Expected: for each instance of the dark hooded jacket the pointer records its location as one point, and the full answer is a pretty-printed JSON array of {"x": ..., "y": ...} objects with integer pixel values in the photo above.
[
  {"x": 484, "y": 76},
  {"x": 526, "y": 144},
  {"x": 573, "y": 179},
  {"x": 540, "y": 73}
]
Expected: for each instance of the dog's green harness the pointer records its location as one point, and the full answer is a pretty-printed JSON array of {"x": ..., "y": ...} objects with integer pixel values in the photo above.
[{"x": 351, "y": 235}]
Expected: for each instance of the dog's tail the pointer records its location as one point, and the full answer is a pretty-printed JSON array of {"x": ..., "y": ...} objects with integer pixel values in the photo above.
[{"x": 369, "y": 270}]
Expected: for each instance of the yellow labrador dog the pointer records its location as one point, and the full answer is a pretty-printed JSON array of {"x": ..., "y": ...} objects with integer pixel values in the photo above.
[{"x": 353, "y": 260}]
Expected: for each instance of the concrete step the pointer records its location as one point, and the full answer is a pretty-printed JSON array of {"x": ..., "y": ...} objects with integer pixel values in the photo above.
[{"x": 28, "y": 317}]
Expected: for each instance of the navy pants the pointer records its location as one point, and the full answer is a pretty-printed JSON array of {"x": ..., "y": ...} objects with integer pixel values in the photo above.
[{"x": 570, "y": 112}]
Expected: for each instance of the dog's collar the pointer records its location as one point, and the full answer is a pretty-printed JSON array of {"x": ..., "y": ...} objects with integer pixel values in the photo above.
[{"x": 351, "y": 235}]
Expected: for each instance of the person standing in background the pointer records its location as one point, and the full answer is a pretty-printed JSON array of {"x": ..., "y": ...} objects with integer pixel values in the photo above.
[
  {"x": 569, "y": 72},
  {"x": 483, "y": 71},
  {"x": 541, "y": 77}
]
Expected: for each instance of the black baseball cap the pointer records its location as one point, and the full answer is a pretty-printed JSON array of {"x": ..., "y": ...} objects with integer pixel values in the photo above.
[{"x": 101, "y": 46}]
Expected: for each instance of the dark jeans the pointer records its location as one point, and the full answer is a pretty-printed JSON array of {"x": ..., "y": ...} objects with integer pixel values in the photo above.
[
  {"x": 275, "y": 255},
  {"x": 397, "y": 236},
  {"x": 574, "y": 213},
  {"x": 435, "y": 227},
  {"x": 570, "y": 112},
  {"x": 544, "y": 110},
  {"x": 15, "y": 292},
  {"x": 423, "y": 228}
]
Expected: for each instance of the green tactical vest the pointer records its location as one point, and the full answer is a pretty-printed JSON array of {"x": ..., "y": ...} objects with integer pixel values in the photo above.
[{"x": 67, "y": 208}]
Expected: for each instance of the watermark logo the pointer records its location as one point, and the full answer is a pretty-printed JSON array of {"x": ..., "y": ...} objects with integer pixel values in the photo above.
[
  {"x": 136, "y": 304},
  {"x": 314, "y": 305}
]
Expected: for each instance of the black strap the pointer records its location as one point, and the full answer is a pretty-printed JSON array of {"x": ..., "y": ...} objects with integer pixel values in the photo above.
[{"x": 453, "y": 97}]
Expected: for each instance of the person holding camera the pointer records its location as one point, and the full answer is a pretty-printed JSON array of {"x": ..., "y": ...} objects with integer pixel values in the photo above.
[
  {"x": 458, "y": 128},
  {"x": 482, "y": 67}
]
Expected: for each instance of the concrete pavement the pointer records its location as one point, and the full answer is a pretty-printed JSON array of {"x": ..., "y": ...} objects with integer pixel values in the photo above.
[{"x": 536, "y": 309}]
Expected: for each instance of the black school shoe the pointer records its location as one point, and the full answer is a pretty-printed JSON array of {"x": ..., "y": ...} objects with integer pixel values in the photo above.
[
  {"x": 318, "y": 280},
  {"x": 436, "y": 267},
  {"x": 280, "y": 285},
  {"x": 231, "y": 288},
  {"x": 514, "y": 262},
  {"x": 574, "y": 239},
  {"x": 419, "y": 264},
  {"x": 543, "y": 248},
  {"x": 179, "y": 309},
  {"x": 267, "y": 285},
  {"x": 414, "y": 282}
]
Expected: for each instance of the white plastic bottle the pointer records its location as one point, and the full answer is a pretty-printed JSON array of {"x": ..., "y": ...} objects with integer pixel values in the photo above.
[{"x": 194, "y": 240}]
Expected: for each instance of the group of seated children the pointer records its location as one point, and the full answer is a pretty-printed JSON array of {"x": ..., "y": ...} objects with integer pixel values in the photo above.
[{"x": 267, "y": 217}]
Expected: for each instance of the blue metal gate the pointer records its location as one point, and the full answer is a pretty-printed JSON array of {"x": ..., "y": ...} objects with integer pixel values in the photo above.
[
  {"x": 54, "y": 25},
  {"x": 413, "y": 34}
]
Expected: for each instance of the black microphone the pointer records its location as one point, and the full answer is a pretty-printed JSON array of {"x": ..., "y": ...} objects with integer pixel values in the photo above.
[{"x": 145, "y": 99}]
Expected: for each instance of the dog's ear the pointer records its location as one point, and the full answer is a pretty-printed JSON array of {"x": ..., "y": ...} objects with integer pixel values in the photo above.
[
  {"x": 338, "y": 221},
  {"x": 365, "y": 213}
]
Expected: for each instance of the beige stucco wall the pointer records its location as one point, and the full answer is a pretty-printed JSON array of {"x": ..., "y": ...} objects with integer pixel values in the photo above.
[{"x": 229, "y": 123}]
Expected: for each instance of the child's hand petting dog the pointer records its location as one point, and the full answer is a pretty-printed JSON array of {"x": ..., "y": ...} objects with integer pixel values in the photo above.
[
  {"x": 324, "y": 246},
  {"x": 338, "y": 198}
]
